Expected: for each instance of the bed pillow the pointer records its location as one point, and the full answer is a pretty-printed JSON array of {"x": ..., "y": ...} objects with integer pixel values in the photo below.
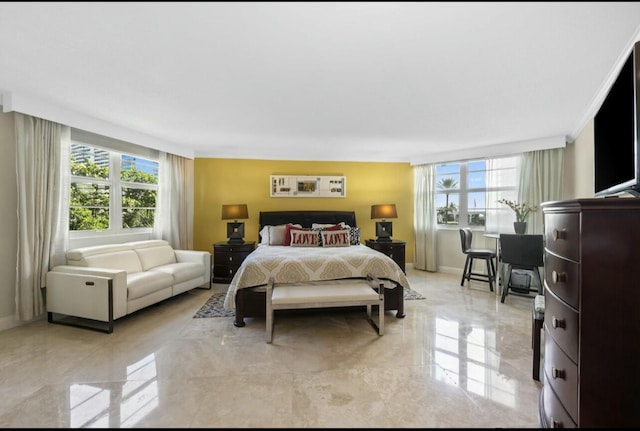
[
  {"x": 264, "y": 235},
  {"x": 287, "y": 232},
  {"x": 303, "y": 238},
  {"x": 276, "y": 234},
  {"x": 335, "y": 238},
  {"x": 340, "y": 225}
]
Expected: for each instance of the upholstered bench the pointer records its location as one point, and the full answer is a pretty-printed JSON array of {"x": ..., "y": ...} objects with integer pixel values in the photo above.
[{"x": 341, "y": 293}]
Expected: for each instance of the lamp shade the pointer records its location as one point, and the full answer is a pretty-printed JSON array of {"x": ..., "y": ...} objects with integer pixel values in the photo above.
[
  {"x": 384, "y": 211},
  {"x": 234, "y": 212}
]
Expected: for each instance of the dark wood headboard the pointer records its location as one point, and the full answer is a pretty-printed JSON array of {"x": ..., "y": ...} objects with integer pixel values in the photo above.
[{"x": 306, "y": 218}]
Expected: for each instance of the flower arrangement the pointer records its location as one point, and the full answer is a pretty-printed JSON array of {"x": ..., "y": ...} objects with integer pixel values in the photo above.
[{"x": 522, "y": 210}]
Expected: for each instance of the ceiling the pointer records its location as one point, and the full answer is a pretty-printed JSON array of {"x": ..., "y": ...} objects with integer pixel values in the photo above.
[{"x": 391, "y": 82}]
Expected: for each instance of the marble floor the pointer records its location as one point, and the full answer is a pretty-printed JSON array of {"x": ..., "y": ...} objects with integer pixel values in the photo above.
[{"x": 459, "y": 358}]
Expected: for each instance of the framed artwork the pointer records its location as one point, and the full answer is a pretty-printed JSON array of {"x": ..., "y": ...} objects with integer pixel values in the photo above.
[{"x": 298, "y": 186}]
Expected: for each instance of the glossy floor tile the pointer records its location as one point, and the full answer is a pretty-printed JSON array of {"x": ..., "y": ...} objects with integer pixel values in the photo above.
[{"x": 459, "y": 358}]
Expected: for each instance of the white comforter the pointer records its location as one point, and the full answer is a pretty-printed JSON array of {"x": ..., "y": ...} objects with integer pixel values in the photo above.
[{"x": 306, "y": 264}]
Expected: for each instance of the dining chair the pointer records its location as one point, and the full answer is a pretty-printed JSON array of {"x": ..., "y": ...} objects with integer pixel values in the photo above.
[
  {"x": 521, "y": 257},
  {"x": 488, "y": 255}
]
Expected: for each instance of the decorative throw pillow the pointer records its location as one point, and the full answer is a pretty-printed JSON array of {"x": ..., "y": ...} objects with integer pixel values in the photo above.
[
  {"x": 319, "y": 229},
  {"x": 354, "y": 235},
  {"x": 302, "y": 238},
  {"x": 287, "y": 232},
  {"x": 335, "y": 238}
]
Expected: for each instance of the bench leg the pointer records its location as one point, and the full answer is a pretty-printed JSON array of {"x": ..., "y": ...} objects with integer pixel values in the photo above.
[
  {"x": 380, "y": 326},
  {"x": 269, "y": 312}
]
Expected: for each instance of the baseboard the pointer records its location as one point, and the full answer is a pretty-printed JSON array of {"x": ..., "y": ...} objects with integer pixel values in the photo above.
[
  {"x": 9, "y": 322},
  {"x": 450, "y": 270}
]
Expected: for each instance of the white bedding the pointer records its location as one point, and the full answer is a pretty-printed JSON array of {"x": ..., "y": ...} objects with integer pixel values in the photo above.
[{"x": 306, "y": 264}]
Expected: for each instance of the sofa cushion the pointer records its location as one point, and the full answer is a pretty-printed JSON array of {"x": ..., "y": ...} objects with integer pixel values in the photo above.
[
  {"x": 140, "y": 284},
  {"x": 77, "y": 254},
  {"x": 126, "y": 260},
  {"x": 154, "y": 253},
  {"x": 182, "y": 271}
]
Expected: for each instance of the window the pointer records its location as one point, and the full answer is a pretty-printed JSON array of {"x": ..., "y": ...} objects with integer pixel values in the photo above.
[
  {"x": 111, "y": 191},
  {"x": 466, "y": 190}
]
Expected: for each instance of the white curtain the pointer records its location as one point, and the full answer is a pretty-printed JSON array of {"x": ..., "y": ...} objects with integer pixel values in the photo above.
[
  {"x": 174, "y": 208},
  {"x": 502, "y": 179},
  {"x": 425, "y": 231},
  {"x": 42, "y": 168},
  {"x": 540, "y": 181}
]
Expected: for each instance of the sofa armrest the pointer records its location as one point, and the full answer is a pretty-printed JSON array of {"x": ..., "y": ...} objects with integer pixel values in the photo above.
[
  {"x": 69, "y": 291},
  {"x": 203, "y": 257},
  {"x": 193, "y": 256}
]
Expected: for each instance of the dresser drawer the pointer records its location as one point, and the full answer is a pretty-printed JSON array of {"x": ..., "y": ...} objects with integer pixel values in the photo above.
[
  {"x": 555, "y": 414},
  {"x": 563, "y": 279},
  {"x": 562, "y": 375},
  {"x": 562, "y": 235},
  {"x": 561, "y": 323}
]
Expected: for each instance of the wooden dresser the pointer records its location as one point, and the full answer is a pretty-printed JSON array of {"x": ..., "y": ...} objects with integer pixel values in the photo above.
[{"x": 592, "y": 313}]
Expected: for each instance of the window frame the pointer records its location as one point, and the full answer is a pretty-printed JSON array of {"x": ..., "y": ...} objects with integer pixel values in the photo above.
[
  {"x": 115, "y": 184},
  {"x": 463, "y": 191}
]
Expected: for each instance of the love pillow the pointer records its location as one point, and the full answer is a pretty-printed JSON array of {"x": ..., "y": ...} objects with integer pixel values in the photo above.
[
  {"x": 335, "y": 238},
  {"x": 303, "y": 238}
]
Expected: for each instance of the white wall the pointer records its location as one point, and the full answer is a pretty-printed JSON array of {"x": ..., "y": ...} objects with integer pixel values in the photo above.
[
  {"x": 8, "y": 221},
  {"x": 583, "y": 162}
]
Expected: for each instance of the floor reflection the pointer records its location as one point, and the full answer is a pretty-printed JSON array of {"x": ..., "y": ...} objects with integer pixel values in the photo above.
[
  {"x": 93, "y": 406},
  {"x": 464, "y": 357}
]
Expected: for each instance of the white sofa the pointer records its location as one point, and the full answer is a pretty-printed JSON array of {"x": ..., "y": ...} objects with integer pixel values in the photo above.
[{"x": 103, "y": 283}]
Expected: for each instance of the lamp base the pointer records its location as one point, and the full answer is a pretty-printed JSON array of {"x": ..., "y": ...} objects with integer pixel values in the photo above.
[
  {"x": 384, "y": 239},
  {"x": 235, "y": 233},
  {"x": 235, "y": 241}
]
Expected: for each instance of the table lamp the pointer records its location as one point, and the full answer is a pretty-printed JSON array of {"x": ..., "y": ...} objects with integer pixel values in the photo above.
[
  {"x": 384, "y": 229},
  {"x": 235, "y": 229}
]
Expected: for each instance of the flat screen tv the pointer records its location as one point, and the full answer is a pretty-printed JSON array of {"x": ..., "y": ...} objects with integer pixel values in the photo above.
[{"x": 616, "y": 158}]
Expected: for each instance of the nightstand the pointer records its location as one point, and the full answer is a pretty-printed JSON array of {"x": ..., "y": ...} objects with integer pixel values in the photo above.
[
  {"x": 227, "y": 258},
  {"x": 394, "y": 249}
]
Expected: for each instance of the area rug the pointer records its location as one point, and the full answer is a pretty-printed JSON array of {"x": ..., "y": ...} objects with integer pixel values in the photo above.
[{"x": 214, "y": 307}]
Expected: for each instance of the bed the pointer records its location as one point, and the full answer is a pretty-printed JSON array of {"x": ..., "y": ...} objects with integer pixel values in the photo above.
[{"x": 310, "y": 265}]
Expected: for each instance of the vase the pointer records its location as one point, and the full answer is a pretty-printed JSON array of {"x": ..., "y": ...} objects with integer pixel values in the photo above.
[{"x": 520, "y": 226}]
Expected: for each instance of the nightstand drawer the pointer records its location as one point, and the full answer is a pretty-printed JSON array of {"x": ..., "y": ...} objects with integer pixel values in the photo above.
[
  {"x": 224, "y": 272},
  {"x": 231, "y": 258}
]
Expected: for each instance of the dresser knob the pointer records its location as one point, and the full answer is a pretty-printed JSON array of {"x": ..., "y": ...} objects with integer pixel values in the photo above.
[
  {"x": 557, "y": 323},
  {"x": 230, "y": 258},
  {"x": 559, "y": 234},
  {"x": 558, "y": 277},
  {"x": 557, "y": 374}
]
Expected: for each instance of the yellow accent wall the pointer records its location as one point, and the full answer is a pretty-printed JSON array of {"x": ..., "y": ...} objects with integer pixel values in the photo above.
[{"x": 242, "y": 181}]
